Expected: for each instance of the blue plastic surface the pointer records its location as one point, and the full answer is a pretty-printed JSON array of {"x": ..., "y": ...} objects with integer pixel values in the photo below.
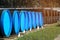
[
  {"x": 16, "y": 22},
  {"x": 22, "y": 17},
  {"x": 30, "y": 19},
  {"x": 34, "y": 19},
  {"x": 6, "y": 22},
  {"x": 26, "y": 20},
  {"x": 37, "y": 19},
  {"x": 40, "y": 19}
]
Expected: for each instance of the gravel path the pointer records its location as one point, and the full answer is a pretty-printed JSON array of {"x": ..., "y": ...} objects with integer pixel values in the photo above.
[{"x": 57, "y": 38}]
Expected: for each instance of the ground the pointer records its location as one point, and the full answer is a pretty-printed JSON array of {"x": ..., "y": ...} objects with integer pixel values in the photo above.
[
  {"x": 50, "y": 32},
  {"x": 57, "y": 38}
]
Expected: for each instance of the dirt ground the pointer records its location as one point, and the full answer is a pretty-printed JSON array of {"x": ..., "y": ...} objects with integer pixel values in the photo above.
[{"x": 57, "y": 38}]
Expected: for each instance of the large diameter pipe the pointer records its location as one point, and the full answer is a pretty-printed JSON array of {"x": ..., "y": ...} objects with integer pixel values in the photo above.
[
  {"x": 40, "y": 19},
  {"x": 16, "y": 22},
  {"x": 37, "y": 19},
  {"x": 22, "y": 21},
  {"x": 6, "y": 23},
  {"x": 34, "y": 19},
  {"x": 30, "y": 19},
  {"x": 26, "y": 20}
]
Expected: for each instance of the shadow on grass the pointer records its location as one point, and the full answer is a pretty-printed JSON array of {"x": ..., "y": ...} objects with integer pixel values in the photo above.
[{"x": 58, "y": 25}]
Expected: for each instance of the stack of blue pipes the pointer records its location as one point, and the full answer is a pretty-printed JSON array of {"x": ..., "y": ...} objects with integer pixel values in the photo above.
[{"x": 19, "y": 21}]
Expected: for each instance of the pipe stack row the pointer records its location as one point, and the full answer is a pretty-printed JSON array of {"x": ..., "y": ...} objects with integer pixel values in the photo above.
[{"x": 19, "y": 21}]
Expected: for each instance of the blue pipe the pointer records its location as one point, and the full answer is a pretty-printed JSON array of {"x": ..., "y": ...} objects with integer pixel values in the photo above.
[
  {"x": 26, "y": 20},
  {"x": 40, "y": 19},
  {"x": 34, "y": 19},
  {"x": 22, "y": 21},
  {"x": 30, "y": 19},
  {"x": 6, "y": 23},
  {"x": 16, "y": 24},
  {"x": 37, "y": 19}
]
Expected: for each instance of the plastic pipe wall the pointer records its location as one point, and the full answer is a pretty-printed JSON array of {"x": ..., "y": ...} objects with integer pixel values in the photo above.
[{"x": 19, "y": 21}]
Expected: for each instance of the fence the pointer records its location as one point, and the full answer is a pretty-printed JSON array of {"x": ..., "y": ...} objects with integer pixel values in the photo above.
[{"x": 50, "y": 16}]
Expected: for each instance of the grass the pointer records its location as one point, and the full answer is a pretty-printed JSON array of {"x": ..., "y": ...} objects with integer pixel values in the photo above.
[{"x": 49, "y": 33}]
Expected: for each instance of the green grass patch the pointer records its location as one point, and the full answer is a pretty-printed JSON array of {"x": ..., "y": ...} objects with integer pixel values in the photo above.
[{"x": 49, "y": 33}]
